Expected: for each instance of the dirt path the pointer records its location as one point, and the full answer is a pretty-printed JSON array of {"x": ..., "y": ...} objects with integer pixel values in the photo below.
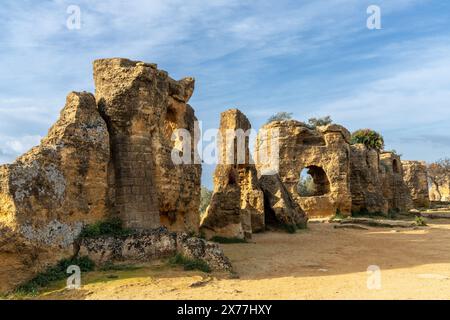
[{"x": 319, "y": 263}]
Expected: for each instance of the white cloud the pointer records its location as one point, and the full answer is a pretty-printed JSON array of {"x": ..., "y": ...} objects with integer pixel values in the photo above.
[{"x": 12, "y": 147}]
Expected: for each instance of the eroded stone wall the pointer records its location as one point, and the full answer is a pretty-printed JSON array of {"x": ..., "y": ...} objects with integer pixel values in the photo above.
[
  {"x": 50, "y": 192},
  {"x": 326, "y": 153},
  {"x": 366, "y": 182},
  {"x": 416, "y": 179},
  {"x": 237, "y": 204},
  {"x": 143, "y": 107},
  {"x": 395, "y": 191}
]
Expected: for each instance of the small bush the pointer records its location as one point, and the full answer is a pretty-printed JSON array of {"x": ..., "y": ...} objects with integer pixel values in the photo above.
[
  {"x": 110, "y": 227},
  {"x": 370, "y": 138},
  {"x": 280, "y": 116},
  {"x": 290, "y": 228},
  {"x": 54, "y": 273},
  {"x": 189, "y": 264},
  {"x": 338, "y": 215},
  {"x": 420, "y": 222},
  {"x": 393, "y": 213},
  {"x": 227, "y": 240},
  {"x": 302, "y": 226},
  {"x": 318, "y": 122}
]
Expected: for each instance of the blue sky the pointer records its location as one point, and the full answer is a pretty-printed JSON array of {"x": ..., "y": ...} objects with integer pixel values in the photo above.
[{"x": 311, "y": 58}]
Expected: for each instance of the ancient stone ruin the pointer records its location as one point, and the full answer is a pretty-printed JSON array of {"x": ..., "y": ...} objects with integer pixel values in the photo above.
[
  {"x": 111, "y": 155},
  {"x": 416, "y": 179},
  {"x": 237, "y": 205},
  {"x": 325, "y": 154},
  {"x": 108, "y": 155},
  {"x": 142, "y": 106},
  {"x": 47, "y": 194}
]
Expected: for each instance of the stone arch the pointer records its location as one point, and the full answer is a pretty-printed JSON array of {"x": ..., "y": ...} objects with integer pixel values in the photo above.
[{"x": 313, "y": 182}]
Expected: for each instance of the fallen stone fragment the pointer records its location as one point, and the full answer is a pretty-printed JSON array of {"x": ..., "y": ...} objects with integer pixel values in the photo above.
[
  {"x": 436, "y": 215},
  {"x": 380, "y": 223},
  {"x": 350, "y": 226},
  {"x": 151, "y": 245}
]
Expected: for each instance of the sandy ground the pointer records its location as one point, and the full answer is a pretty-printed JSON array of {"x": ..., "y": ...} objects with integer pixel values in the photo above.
[{"x": 318, "y": 263}]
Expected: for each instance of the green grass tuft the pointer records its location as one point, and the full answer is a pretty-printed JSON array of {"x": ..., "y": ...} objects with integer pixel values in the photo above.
[
  {"x": 290, "y": 228},
  {"x": 420, "y": 222},
  {"x": 109, "y": 227},
  {"x": 54, "y": 273},
  {"x": 189, "y": 264}
]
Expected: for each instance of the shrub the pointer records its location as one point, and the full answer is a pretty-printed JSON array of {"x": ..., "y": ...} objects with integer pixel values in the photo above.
[
  {"x": 290, "y": 228},
  {"x": 420, "y": 222},
  {"x": 370, "y": 138},
  {"x": 189, "y": 264},
  {"x": 109, "y": 227},
  {"x": 338, "y": 215},
  {"x": 280, "y": 116},
  {"x": 318, "y": 122},
  {"x": 54, "y": 273}
]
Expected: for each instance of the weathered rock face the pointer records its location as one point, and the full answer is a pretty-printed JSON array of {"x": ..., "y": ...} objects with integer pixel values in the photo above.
[
  {"x": 151, "y": 245},
  {"x": 416, "y": 179},
  {"x": 279, "y": 206},
  {"x": 237, "y": 204},
  {"x": 47, "y": 194},
  {"x": 143, "y": 107},
  {"x": 325, "y": 152},
  {"x": 366, "y": 183},
  {"x": 395, "y": 191}
]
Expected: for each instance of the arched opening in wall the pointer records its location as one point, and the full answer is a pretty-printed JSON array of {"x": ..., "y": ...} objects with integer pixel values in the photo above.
[
  {"x": 395, "y": 166},
  {"x": 313, "y": 182}
]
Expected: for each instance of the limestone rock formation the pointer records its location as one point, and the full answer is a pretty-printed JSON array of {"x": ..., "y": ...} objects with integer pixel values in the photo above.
[
  {"x": 325, "y": 152},
  {"x": 47, "y": 194},
  {"x": 150, "y": 245},
  {"x": 279, "y": 206},
  {"x": 366, "y": 183},
  {"x": 416, "y": 179},
  {"x": 143, "y": 107},
  {"x": 237, "y": 204},
  {"x": 395, "y": 191}
]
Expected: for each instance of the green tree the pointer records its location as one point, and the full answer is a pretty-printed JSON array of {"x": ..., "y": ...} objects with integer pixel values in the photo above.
[
  {"x": 280, "y": 116},
  {"x": 370, "y": 138},
  {"x": 205, "y": 199},
  {"x": 318, "y": 122},
  {"x": 439, "y": 173}
]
